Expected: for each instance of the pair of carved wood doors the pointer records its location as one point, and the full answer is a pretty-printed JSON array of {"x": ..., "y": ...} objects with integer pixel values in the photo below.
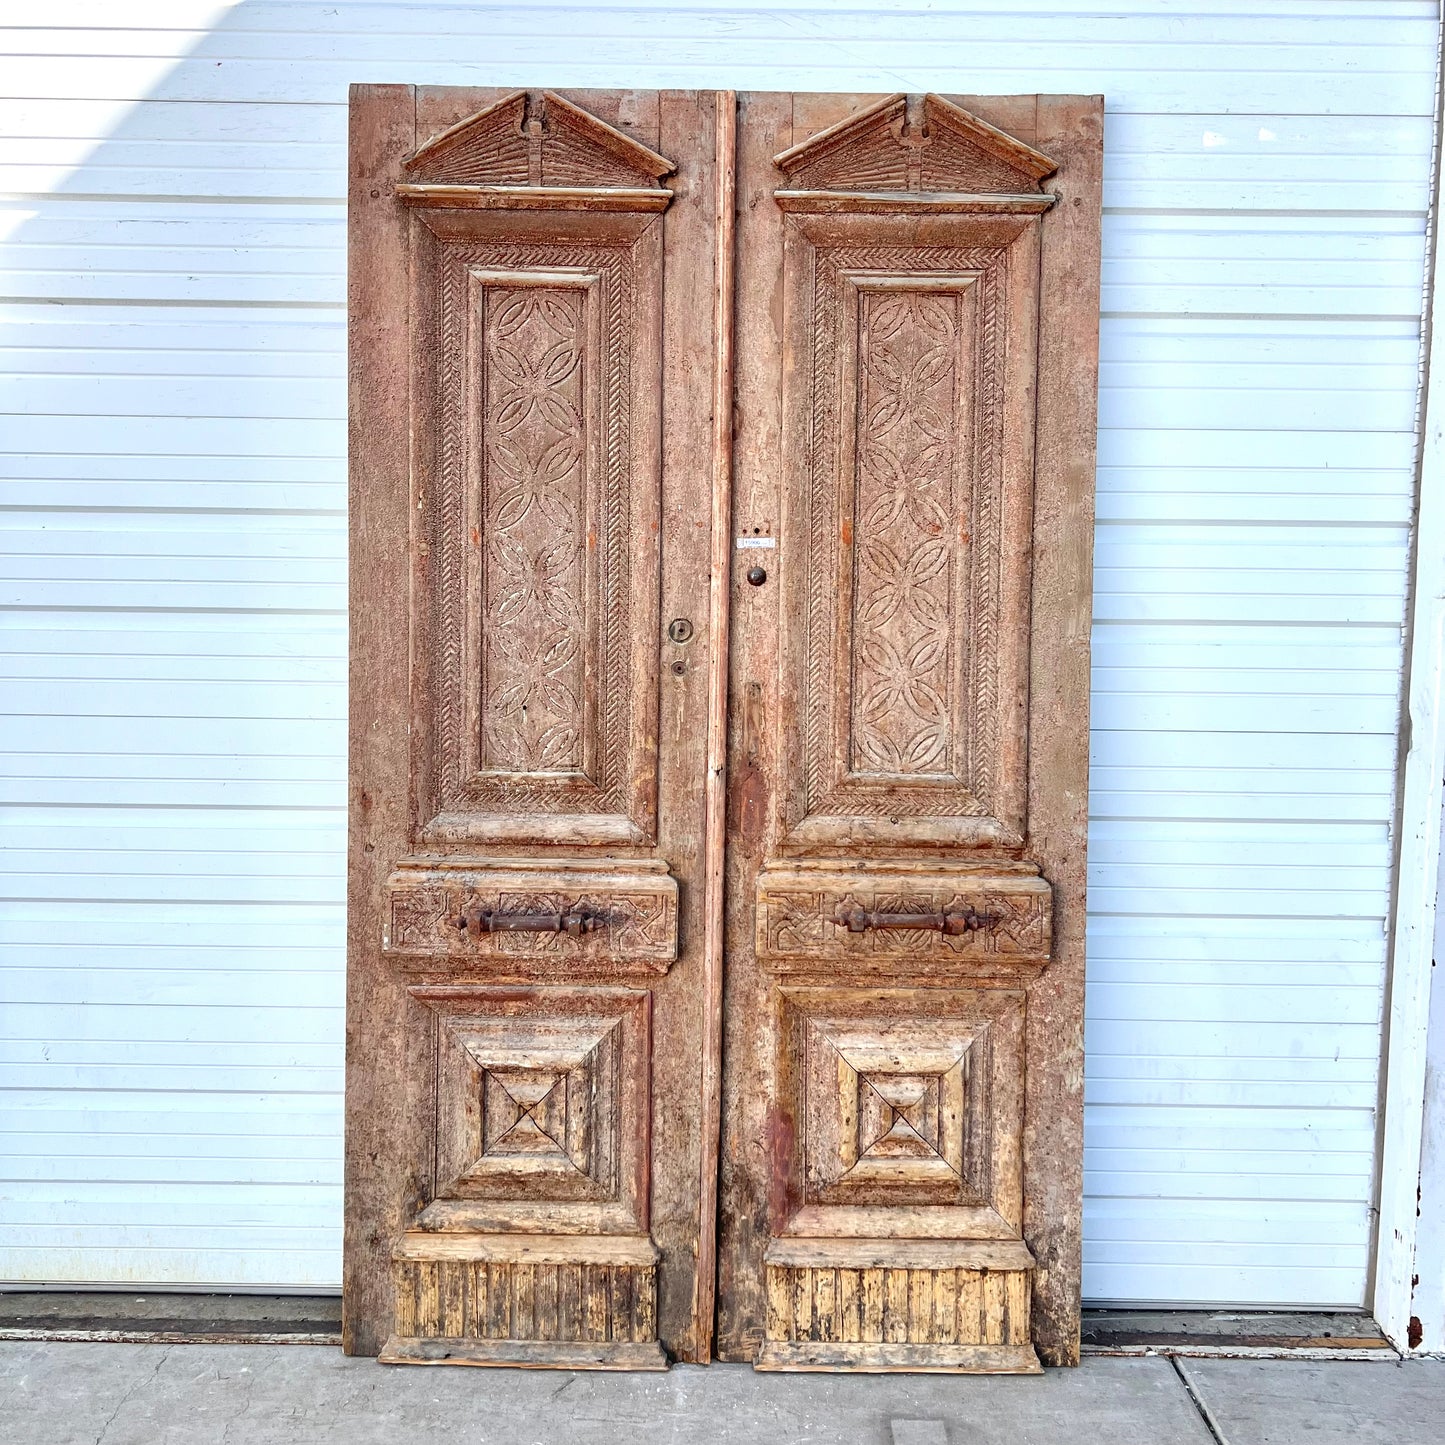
[{"x": 722, "y": 477}]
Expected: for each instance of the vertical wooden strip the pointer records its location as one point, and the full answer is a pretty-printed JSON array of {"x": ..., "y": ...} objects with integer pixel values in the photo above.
[
  {"x": 546, "y": 1302},
  {"x": 644, "y": 1305},
  {"x": 1018, "y": 1308},
  {"x": 619, "y": 1294},
  {"x": 895, "y": 1306},
  {"x": 596, "y": 1303},
  {"x": 752, "y": 1143},
  {"x": 780, "y": 1304},
  {"x": 849, "y": 1305},
  {"x": 920, "y": 1306},
  {"x": 451, "y": 1289},
  {"x": 499, "y": 1302},
  {"x": 476, "y": 1320},
  {"x": 1070, "y": 132},
  {"x": 803, "y": 1303},
  {"x": 825, "y": 1304},
  {"x": 524, "y": 1311},
  {"x": 995, "y": 1295},
  {"x": 405, "y": 1315},
  {"x": 871, "y": 1325},
  {"x": 428, "y": 1304},
  {"x": 715, "y": 783},
  {"x": 386, "y": 1126},
  {"x": 569, "y": 1302},
  {"x": 945, "y": 1306},
  {"x": 970, "y": 1307}
]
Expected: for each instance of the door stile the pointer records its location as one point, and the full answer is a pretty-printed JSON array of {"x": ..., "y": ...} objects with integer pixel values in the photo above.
[
  {"x": 380, "y": 1117},
  {"x": 765, "y": 126},
  {"x": 715, "y": 784},
  {"x": 1070, "y": 129}
]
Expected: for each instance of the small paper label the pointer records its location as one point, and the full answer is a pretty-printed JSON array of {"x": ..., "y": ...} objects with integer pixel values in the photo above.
[{"x": 747, "y": 543}]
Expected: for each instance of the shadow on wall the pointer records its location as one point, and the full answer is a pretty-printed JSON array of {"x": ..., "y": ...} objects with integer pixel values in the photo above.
[{"x": 173, "y": 338}]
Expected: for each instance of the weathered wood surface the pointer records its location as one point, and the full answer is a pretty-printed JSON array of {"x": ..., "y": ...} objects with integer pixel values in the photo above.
[
  {"x": 715, "y": 780},
  {"x": 534, "y": 293},
  {"x": 1071, "y": 130},
  {"x": 384, "y": 1119},
  {"x": 917, "y": 321},
  {"x": 559, "y": 933}
]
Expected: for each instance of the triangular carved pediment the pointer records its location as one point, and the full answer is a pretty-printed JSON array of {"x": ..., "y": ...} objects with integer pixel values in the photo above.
[
  {"x": 535, "y": 138},
  {"x": 917, "y": 144}
]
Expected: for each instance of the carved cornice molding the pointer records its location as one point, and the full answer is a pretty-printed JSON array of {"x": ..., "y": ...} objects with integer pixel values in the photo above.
[
  {"x": 913, "y": 154},
  {"x": 533, "y": 150}
]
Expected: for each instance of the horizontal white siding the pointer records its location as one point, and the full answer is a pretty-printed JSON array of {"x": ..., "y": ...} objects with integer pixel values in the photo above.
[{"x": 172, "y": 468}]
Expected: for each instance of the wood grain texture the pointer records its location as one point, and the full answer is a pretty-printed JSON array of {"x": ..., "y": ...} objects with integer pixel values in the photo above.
[
  {"x": 525, "y": 1301},
  {"x": 688, "y": 131},
  {"x": 550, "y": 301},
  {"x": 630, "y": 905},
  {"x": 385, "y": 1163},
  {"x": 715, "y": 782},
  {"x": 895, "y": 689},
  {"x": 903, "y": 708},
  {"x": 1070, "y": 129},
  {"x": 834, "y": 1315},
  {"x": 750, "y": 1129}
]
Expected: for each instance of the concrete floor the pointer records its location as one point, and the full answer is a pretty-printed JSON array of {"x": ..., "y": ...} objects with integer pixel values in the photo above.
[{"x": 115, "y": 1394}]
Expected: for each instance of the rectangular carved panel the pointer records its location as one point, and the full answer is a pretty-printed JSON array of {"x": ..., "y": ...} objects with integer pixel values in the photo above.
[
  {"x": 536, "y": 667},
  {"x": 910, "y": 431},
  {"x": 910, "y": 446},
  {"x": 629, "y": 907},
  {"x": 533, "y": 369},
  {"x": 800, "y": 907}
]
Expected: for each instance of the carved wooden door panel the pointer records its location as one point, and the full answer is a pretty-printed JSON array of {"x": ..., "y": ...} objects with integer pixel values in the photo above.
[
  {"x": 633, "y": 628},
  {"x": 917, "y": 308},
  {"x": 532, "y": 294}
]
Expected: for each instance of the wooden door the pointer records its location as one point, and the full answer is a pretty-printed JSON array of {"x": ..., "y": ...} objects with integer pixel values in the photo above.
[
  {"x": 917, "y": 342},
  {"x": 532, "y": 299},
  {"x": 557, "y": 769}
]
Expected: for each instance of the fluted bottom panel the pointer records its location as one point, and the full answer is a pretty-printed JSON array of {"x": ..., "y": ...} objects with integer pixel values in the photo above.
[
  {"x": 824, "y": 1316},
  {"x": 583, "y": 1312}
]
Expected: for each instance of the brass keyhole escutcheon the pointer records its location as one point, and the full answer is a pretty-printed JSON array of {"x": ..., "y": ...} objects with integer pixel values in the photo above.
[{"x": 679, "y": 629}]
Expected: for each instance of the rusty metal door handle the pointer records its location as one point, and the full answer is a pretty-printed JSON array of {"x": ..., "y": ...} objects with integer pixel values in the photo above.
[
  {"x": 951, "y": 922},
  {"x": 575, "y": 922}
]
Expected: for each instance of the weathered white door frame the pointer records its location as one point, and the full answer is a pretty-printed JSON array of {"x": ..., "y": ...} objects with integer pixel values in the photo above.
[{"x": 1411, "y": 1224}]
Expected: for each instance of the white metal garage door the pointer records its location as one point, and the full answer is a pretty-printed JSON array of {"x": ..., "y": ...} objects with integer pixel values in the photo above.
[{"x": 172, "y": 457}]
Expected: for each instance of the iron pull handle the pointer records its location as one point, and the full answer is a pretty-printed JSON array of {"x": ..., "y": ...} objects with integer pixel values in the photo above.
[
  {"x": 952, "y": 921},
  {"x": 575, "y": 922}
]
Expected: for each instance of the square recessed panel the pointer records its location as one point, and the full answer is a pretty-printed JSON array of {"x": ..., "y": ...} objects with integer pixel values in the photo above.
[
  {"x": 540, "y": 1109},
  {"x": 905, "y": 1097},
  {"x": 541, "y": 1099}
]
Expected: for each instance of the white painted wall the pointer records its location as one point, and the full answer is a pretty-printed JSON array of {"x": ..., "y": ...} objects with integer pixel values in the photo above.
[{"x": 172, "y": 462}]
